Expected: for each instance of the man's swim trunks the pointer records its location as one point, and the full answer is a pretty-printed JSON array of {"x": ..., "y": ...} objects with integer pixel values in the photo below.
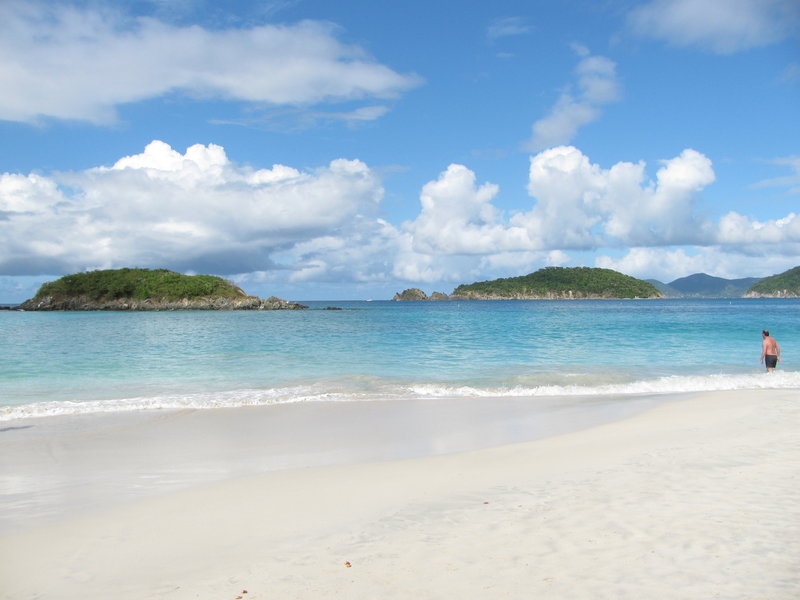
[{"x": 771, "y": 360}]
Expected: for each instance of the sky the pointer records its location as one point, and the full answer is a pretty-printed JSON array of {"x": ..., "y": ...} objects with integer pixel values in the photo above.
[{"x": 351, "y": 149}]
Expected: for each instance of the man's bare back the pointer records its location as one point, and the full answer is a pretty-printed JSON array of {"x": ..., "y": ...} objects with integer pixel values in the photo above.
[{"x": 770, "y": 351}]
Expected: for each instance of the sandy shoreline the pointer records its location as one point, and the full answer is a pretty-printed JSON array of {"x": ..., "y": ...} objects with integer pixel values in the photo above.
[
  {"x": 697, "y": 498},
  {"x": 66, "y": 465}
]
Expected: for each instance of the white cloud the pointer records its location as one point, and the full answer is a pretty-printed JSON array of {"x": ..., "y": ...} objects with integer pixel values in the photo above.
[
  {"x": 364, "y": 113},
  {"x": 301, "y": 118},
  {"x": 597, "y": 80},
  {"x": 581, "y": 205},
  {"x": 27, "y": 194},
  {"x": 578, "y": 205},
  {"x": 791, "y": 74},
  {"x": 195, "y": 210},
  {"x": 658, "y": 263},
  {"x": 663, "y": 213},
  {"x": 410, "y": 265},
  {"x": 561, "y": 125},
  {"x": 413, "y": 266},
  {"x": 566, "y": 187},
  {"x": 361, "y": 251},
  {"x": 668, "y": 264},
  {"x": 722, "y": 26},
  {"x": 457, "y": 216},
  {"x": 71, "y": 63},
  {"x": 596, "y": 85},
  {"x": 514, "y": 263},
  {"x": 791, "y": 181},
  {"x": 507, "y": 26},
  {"x": 736, "y": 229}
]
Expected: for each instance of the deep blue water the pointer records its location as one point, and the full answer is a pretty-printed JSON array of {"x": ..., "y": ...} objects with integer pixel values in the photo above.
[{"x": 68, "y": 362}]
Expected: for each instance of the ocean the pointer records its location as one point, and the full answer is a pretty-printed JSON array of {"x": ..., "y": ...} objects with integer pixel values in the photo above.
[{"x": 66, "y": 363}]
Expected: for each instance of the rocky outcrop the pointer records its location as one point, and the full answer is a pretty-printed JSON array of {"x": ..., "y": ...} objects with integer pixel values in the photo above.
[
  {"x": 155, "y": 304},
  {"x": 411, "y": 294},
  {"x": 418, "y": 294},
  {"x": 438, "y": 296}
]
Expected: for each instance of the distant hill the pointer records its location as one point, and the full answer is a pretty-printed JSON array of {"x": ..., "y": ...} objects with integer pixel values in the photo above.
[
  {"x": 705, "y": 286},
  {"x": 554, "y": 283},
  {"x": 783, "y": 285},
  {"x": 665, "y": 289},
  {"x": 146, "y": 289}
]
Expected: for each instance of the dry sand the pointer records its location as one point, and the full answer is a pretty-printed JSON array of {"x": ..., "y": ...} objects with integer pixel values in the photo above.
[{"x": 697, "y": 498}]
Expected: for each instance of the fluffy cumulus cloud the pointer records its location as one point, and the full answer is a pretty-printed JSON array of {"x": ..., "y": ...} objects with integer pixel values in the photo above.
[
  {"x": 740, "y": 230},
  {"x": 457, "y": 216},
  {"x": 577, "y": 205},
  {"x": 580, "y": 205},
  {"x": 195, "y": 210},
  {"x": 596, "y": 85},
  {"x": 722, "y": 26},
  {"x": 68, "y": 62}
]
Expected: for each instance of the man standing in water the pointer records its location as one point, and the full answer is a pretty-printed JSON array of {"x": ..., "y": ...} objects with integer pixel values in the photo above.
[{"x": 770, "y": 351}]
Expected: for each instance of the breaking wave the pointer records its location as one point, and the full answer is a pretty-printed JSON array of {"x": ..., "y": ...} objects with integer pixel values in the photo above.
[{"x": 372, "y": 390}]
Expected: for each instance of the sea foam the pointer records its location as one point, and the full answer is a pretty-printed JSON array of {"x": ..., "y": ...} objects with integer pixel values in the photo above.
[{"x": 674, "y": 384}]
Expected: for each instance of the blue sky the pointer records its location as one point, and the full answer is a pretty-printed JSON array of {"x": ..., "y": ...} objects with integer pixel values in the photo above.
[{"x": 345, "y": 150}]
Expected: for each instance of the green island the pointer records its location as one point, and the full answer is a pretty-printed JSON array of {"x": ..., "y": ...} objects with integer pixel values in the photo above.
[
  {"x": 146, "y": 289},
  {"x": 549, "y": 283},
  {"x": 782, "y": 285},
  {"x": 561, "y": 283}
]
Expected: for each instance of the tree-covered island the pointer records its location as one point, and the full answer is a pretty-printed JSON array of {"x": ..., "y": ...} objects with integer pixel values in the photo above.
[
  {"x": 782, "y": 285},
  {"x": 147, "y": 289},
  {"x": 550, "y": 283}
]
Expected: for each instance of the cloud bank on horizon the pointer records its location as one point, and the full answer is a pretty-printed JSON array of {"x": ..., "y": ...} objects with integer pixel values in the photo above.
[
  {"x": 198, "y": 211},
  {"x": 332, "y": 225}
]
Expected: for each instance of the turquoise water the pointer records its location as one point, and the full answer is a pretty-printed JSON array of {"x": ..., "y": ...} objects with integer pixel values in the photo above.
[{"x": 73, "y": 362}]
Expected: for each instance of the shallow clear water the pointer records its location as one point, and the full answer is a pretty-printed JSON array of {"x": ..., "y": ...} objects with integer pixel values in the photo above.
[{"x": 71, "y": 362}]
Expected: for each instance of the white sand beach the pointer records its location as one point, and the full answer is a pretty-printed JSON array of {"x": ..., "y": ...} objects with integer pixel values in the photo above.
[{"x": 694, "y": 498}]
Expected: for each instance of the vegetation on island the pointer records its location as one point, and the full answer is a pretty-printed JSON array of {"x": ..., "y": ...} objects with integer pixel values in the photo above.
[
  {"x": 560, "y": 282},
  {"x": 147, "y": 289},
  {"x": 782, "y": 285},
  {"x": 138, "y": 284}
]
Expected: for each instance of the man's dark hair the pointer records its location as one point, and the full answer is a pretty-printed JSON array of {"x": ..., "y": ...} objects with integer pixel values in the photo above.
[{"x": 766, "y": 332}]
